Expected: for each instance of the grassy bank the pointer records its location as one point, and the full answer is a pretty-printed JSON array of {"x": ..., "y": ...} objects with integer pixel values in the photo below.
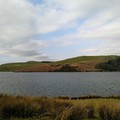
[{"x": 43, "y": 108}]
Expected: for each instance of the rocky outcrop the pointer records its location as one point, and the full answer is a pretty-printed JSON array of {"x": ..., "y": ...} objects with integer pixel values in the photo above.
[{"x": 66, "y": 68}]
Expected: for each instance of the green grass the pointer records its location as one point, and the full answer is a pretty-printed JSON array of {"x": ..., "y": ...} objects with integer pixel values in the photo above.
[
  {"x": 43, "y": 108},
  {"x": 83, "y": 59},
  {"x": 17, "y": 66}
]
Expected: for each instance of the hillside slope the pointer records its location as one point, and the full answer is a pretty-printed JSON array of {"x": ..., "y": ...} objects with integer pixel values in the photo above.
[{"x": 76, "y": 64}]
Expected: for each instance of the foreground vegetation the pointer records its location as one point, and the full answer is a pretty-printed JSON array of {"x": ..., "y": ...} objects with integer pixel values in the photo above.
[
  {"x": 43, "y": 108},
  {"x": 76, "y": 64}
]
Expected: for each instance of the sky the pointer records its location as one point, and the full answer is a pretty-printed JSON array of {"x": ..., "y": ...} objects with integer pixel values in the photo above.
[{"x": 42, "y": 30}]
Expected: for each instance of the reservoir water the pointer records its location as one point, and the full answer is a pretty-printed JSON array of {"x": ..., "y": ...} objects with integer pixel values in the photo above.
[{"x": 60, "y": 84}]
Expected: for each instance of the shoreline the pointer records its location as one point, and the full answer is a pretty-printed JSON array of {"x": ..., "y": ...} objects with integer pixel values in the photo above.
[{"x": 82, "y": 97}]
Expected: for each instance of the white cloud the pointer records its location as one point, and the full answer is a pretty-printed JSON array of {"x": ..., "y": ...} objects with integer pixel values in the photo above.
[
  {"x": 21, "y": 20},
  {"x": 100, "y": 29},
  {"x": 110, "y": 47},
  {"x": 16, "y": 18},
  {"x": 17, "y": 27}
]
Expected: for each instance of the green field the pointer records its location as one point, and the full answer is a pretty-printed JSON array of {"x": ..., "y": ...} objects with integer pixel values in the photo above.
[
  {"x": 85, "y": 58},
  {"x": 16, "y": 66}
]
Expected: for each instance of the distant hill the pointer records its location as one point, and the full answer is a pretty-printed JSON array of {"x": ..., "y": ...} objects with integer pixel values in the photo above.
[{"x": 76, "y": 64}]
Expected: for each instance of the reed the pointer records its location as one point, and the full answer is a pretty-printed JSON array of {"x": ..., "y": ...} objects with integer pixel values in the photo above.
[
  {"x": 109, "y": 112},
  {"x": 44, "y": 108},
  {"x": 74, "y": 113},
  {"x": 26, "y": 107}
]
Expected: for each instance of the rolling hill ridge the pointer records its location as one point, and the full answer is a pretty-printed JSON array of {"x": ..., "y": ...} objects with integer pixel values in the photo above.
[{"x": 76, "y": 64}]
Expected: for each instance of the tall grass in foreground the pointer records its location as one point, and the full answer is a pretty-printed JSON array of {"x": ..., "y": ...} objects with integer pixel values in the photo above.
[
  {"x": 109, "y": 112},
  {"x": 25, "y": 107},
  {"x": 43, "y": 108},
  {"x": 79, "y": 112}
]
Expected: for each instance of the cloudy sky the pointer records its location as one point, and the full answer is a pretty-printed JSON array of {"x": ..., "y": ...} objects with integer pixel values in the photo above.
[{"x": 58, "y": 29}]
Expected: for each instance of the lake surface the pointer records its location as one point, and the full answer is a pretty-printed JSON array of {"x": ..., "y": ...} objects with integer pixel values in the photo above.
[{"x": 60, "y": 84}]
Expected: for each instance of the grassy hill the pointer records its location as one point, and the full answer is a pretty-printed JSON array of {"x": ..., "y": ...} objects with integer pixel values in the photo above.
[{"x": 83, "y": 63}]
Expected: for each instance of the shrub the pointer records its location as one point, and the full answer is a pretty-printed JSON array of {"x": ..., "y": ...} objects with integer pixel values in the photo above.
[
  {"x": 63, "y": 97},
  {"x": 74, "y": 98},
  {"x": 90, "y": 97}
]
